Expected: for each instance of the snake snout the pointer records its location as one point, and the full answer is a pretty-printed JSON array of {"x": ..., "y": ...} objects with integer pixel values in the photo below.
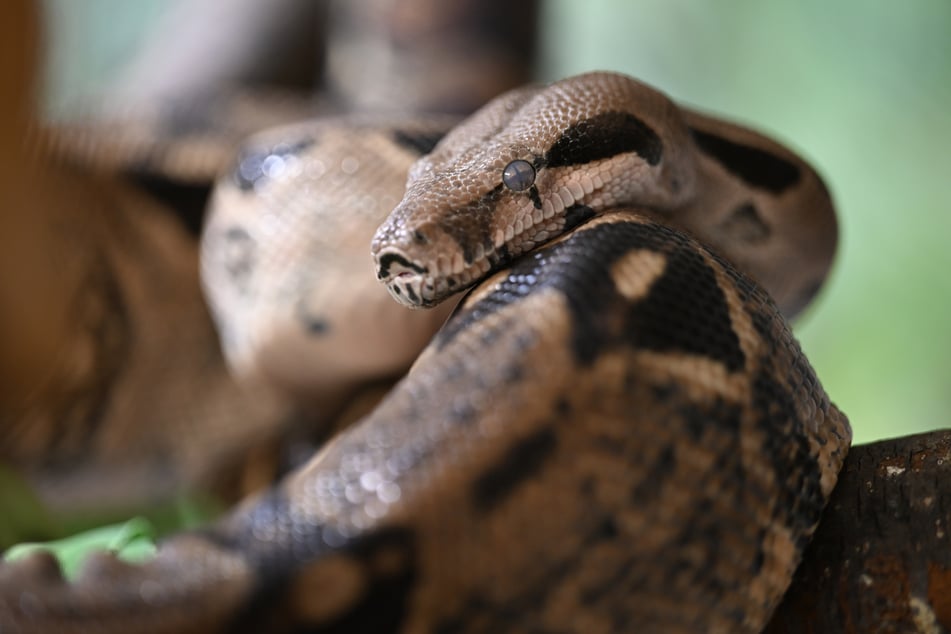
[
  {"x": 405, "y": 280},
  {"x": 391, "y": 263}
]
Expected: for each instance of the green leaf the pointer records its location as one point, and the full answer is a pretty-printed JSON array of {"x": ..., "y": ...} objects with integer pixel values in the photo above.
[{"x": 132, "y": 541}]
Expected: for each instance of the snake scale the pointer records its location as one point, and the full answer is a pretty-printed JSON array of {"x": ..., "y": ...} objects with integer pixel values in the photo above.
[{"x": 614, "y": 431}]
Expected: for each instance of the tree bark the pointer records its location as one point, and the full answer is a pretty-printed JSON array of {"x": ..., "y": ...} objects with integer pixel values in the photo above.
[{"x": 881, "y": 558}]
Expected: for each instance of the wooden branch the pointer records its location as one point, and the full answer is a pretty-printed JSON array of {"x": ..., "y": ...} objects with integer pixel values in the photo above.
[{"x": 881, "y": 559}]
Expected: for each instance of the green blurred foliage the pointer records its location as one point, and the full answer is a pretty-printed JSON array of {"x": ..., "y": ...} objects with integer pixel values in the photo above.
[
  {"x": 72, "y": 534},
  {"x": 863, "y": 89},
  {"x": 132, "y": 541}
]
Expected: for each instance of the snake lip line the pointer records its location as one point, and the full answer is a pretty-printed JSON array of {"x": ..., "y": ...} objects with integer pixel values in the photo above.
[
  {"x": 403, "y": 277},
  {"x": 392, "y": 263}
]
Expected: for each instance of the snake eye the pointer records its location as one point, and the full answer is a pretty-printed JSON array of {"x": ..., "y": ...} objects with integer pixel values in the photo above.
[{"x": 518, "y": 175}]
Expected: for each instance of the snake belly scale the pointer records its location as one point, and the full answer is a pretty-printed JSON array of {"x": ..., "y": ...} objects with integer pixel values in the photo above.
[{"x": 614, "y": 431}]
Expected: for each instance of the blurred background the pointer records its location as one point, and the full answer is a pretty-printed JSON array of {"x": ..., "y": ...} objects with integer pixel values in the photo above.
[{"x": 862, "y": 88}]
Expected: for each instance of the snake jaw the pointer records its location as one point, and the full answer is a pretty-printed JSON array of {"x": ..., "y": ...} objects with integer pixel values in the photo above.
[
  {"x": 409, "y": 289},
  {"x": 417, "y": 286},
  {"x": 405, "y": 280}
]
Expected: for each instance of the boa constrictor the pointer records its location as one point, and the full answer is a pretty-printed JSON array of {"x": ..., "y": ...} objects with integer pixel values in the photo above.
[{"x": 614, "y": 431}]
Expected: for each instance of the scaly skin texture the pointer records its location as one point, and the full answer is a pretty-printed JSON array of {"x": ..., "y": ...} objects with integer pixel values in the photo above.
[
  {"x": 599, "y": 141},
  {"x": 615, "y": 431}
]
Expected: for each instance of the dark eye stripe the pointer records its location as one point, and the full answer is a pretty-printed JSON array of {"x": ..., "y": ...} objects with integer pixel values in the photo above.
[
  {"x": 604, "y": 136},
  {"x": 471, "y": 225},
  {"x": 756, "y": 167}
]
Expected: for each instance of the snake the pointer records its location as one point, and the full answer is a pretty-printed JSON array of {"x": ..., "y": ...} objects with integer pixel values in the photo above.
[{"x": 610, "y": 426}]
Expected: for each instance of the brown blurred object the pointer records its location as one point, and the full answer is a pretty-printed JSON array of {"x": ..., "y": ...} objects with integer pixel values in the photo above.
[
  {"x": 112, "y": 384},
  {"x": 352, "y": 55},
  {"x": 427, "y": 55},
  {"x": 32, "y": 322}
]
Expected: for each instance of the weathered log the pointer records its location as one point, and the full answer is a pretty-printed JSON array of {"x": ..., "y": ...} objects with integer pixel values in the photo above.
[{"x": 881, "y": 559}]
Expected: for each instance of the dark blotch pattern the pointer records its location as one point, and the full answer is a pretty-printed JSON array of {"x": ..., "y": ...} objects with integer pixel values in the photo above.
[
  {"x": 471, "y": 225},
  {"x": 786, "y": 448},
  {"x": 462, "y": 413},
  {"x": 699, "y": 544},
  {"x": 697, "y": 420},
  {"x": 603, "y": 136},
  {"x": 648, "y": 490},
  {"x": 419, "y": 141},
  {"x": 756, "y": 566},
  {"x": 756, "y": 167},
  {"x": 577, "y": 214},
  {"x": 384, "y": 605},
  {"x": 522, "y": 461},
  {"x": 237, "y": 250},
  {"x": 105, "y": 323},
  {"x": 685, "y": 310},
  {"x": 384, "y": 602},
  {"x": 313, "y": 324},
  {"x": 746, "y": 225}
]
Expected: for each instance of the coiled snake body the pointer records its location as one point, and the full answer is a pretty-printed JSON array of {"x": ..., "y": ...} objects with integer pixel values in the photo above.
[{"x": 614, "y": 431}]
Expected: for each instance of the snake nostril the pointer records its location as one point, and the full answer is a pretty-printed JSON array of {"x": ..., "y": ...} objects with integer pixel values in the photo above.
[{"x": 419, "y": 237}]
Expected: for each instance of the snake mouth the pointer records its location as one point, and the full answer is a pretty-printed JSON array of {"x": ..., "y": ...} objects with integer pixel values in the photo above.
[
  {"x": 417, "y": 286},
  {"x": 408, "y": 282}
]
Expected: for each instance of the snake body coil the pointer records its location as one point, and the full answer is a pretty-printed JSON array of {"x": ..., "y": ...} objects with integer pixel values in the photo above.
[{"x": 614, "y": 431}]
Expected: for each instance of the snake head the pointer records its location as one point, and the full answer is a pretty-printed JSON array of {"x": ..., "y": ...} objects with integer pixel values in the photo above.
[{"x": 529, "y": 166}]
